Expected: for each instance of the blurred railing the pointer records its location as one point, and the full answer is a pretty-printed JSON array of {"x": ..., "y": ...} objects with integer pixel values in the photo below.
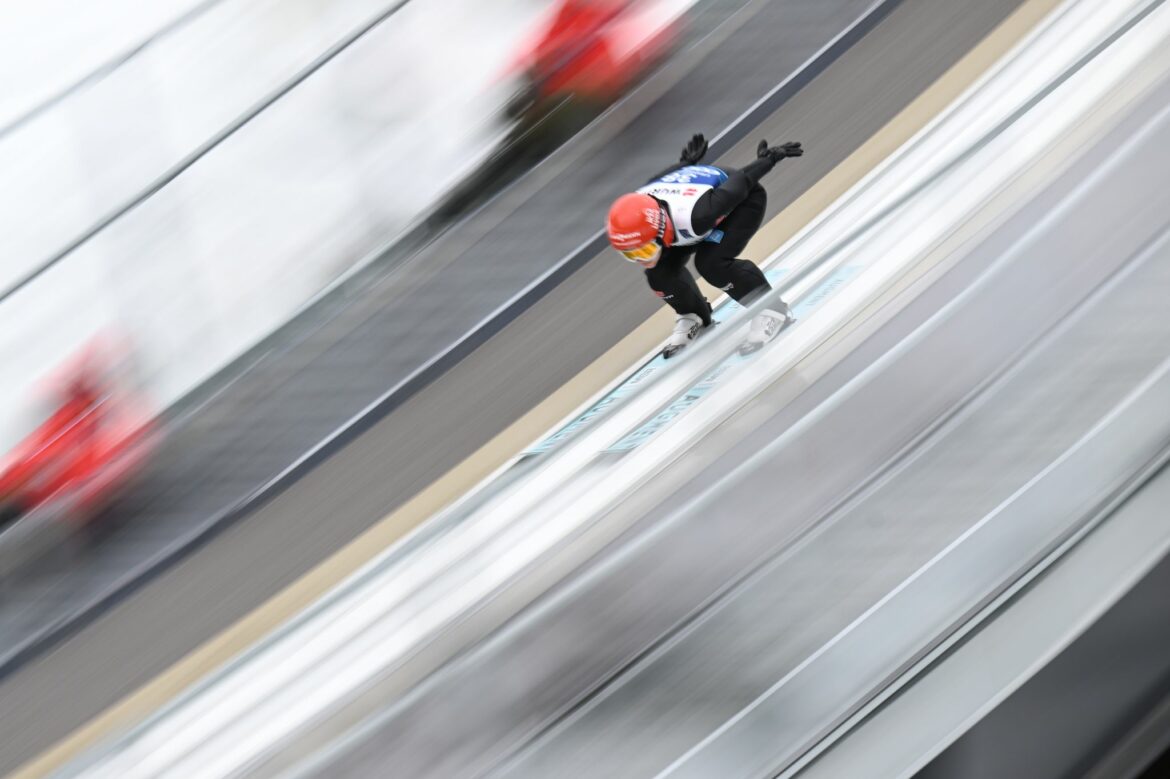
[
  {"x": 58, "y": 51},
  {"x": 1001, "y": 554},
  {"x": 99, "y": 145},
  {"x": 194, "y": 197},
  {"x": 275, "y": 693}
]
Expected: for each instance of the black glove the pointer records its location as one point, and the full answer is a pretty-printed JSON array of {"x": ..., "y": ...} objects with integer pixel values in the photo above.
[
  {"x": 777, "y": 153},
  {"x": 695, "y": 149}
]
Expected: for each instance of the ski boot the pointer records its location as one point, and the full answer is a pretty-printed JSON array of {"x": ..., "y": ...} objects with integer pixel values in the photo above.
[
  {"x": 687, "y": 328},
  {"x": 765, "y": 326}
]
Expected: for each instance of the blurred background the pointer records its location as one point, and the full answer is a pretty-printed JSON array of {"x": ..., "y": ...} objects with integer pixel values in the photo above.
[{"x": 336, "y": 441}]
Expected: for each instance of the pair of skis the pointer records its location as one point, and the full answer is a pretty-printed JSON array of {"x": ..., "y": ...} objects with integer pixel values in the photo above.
[{"x": 745, "y": 348}]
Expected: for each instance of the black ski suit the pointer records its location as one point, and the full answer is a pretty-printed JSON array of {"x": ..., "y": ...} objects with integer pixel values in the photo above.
[{"x": 741, "y": 201}]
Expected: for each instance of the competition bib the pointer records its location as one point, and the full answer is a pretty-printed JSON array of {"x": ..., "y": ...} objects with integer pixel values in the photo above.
[{"x": 680, "y": 190}]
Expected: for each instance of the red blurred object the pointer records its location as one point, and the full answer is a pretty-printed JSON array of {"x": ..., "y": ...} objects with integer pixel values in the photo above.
[
  {"x": 595, "y": 50},
  {"x": 95, "y": 440},
  {"x": 585, "y": 55}
]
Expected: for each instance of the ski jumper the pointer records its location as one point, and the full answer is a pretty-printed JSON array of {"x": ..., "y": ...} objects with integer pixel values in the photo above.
[{"x": 715, "y": 212}]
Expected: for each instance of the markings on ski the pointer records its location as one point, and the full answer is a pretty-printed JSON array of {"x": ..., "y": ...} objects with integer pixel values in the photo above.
[{"x": 650, "y": 368}]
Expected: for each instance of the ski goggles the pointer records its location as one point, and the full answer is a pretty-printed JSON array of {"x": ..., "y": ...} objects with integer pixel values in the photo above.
[{"x": 642, "y": 253}]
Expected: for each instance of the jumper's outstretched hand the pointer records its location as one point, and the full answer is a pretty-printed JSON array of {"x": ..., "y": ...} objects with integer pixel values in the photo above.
[
  {"x": 695, "y": 149},
  {"x": 777, "y": 153}
]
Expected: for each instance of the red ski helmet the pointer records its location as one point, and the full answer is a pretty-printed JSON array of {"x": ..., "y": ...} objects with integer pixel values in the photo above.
[{"x": 637, "y": 220}]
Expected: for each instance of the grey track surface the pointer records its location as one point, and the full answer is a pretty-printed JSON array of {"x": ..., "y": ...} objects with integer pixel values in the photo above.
[
  {"x": 434, "y": 430},
  {"x": 336, "y": 362},
  {"x": 614, "y": 675}
]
